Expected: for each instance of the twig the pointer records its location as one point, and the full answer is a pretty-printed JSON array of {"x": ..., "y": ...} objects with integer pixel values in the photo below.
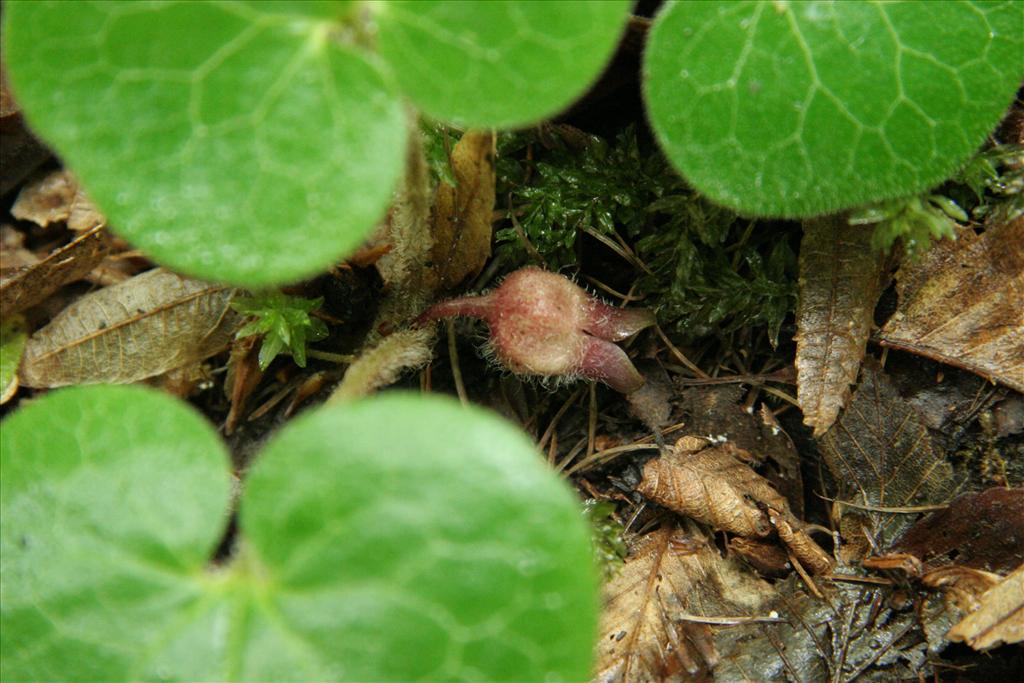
[
  {"x": 592, "y": 420},
  {"x": 340, "y": 358},
  {"x": 772, "y": 618},
  {"x": 573, "y": 452},
  {"x": 558, "y": 416},
  {"x": 453, "y": 357},
  {"x": 804, "y": 575},
  {"x": 779, "y": 393},
  {"x": 626, "y": 298},
  {"x": 679, "y": 355},
  {"x": 608, "y": 453},
  {"x": 903, "y": 510},
  {"x": 850, "y": 578}
]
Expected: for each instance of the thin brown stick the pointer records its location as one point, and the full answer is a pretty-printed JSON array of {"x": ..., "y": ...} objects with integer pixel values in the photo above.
[
  {"x": 805, "y": 576},
  {"x": 730, "y": 621},
  {"x": 679, "y": 355},
  {"x": 453, "y": 357},
  {"x": 608, "y": 454},
  {"x": 558, "y": 416},
  {"x": 592, "y": 420}
]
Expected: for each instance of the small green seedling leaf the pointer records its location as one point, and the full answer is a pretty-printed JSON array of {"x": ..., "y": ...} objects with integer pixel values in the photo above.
[
  {"x": 914, "y": 221},
  {"x": 440, "y": 550},
  {"x": 499, "y": 63},
  {"x": 236, "y": 142},
  {"x": 12, "y": 345},
  {"x": 803, "y": 108},
  {"x": 285, "y": 322}
]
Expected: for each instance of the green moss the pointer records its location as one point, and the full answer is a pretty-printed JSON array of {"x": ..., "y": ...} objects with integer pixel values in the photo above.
[
  {"x": 606, "y": 535},
  {"x": 708, "y": 271}
]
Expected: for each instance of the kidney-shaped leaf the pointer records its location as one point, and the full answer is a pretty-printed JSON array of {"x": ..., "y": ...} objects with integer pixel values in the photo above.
[
  {"x": 804, "y": 108},
  {"x": 229, "y": 141},
  {"x": 112, "y": 500},
  {"x": 438, "y": 550},
  {"x": 500, "y": 63}
]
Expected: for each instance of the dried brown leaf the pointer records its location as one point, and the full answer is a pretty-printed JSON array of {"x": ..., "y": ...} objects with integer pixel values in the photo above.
[
  {"x": 712, "y": 485},
  {"x": 647, "y": 631},
  {"x": 148, "y": 325},
  {"x": 54, "y": 198},
  {"x": 854, "y": 635},
  {"x": 963, "y": 304},
  {"x": 841, "y": 278},
  {"x": 242, "y": 376},
  {"x": 462, "y": 214},
  {"x": 963, "y": 585},
  {"x": 718, "y": 411},
  {"x": 980, "y": 530},
  {"x": 14, "y": 257},
  {"x": 999, "y": 620},
  {"x": 881, "y": 455},
  {"x": 803, "y": 547},
  {"x": 69, "y": 263},
  {"x": 767, "y": 558}
]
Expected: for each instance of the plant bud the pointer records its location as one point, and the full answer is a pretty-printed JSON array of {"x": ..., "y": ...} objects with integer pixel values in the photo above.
[{"x": 543, "y": 324}]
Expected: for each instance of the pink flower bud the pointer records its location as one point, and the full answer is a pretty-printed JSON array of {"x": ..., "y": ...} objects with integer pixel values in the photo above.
[{"x": 543, "y": 324}]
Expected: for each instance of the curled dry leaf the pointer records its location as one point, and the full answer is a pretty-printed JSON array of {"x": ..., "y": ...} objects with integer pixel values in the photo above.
[
  {"x": 650, "y": 627},
  {"x": 148, "y": 325},
  {"x": 999, "y": 620},
  {"x": 715, "y": 485},
  {"x": 462, "y": 214},
  {"x": 70, "y": 263},
  {"x": 803, "y": 547},
  {"x": 963, "y": 585},
  {"x": 841, "y": 278},
  {"x": 767, "y": 558},
  {"x": 881, "y": 455},
  {"x": 56, "y": 197},
  {"x": 719, "y": 411},
  {"x": 963, "y": 304}
]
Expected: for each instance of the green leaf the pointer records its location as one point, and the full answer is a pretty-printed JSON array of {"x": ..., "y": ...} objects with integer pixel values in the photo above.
[
  {"x": 798, "y": 109},
  {"x": 112, "y": 500},
  {"x": 285, "y": 321},
  {"x": 12, "y": 346},
  {"x": 231, "y": 141},
  {"x": 365, "y": 552},
  {"x": 497, "y": 63},
  {"x": 441, "y": 549}
]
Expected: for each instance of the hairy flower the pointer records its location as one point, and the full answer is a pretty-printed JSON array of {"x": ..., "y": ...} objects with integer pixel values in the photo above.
[{"x": 542, "y": 324}]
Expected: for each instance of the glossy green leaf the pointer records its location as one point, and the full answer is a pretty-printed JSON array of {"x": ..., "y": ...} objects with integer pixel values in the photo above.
[
  {"x": 497, "y": 63},
  {"x": 238, "y": 142},
  {"x": 443, "y": 550},
  {"x": 804, "y": 108}
]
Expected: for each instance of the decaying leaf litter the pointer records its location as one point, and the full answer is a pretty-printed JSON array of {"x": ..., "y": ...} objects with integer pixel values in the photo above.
[{"x": 783, "y": 485}]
